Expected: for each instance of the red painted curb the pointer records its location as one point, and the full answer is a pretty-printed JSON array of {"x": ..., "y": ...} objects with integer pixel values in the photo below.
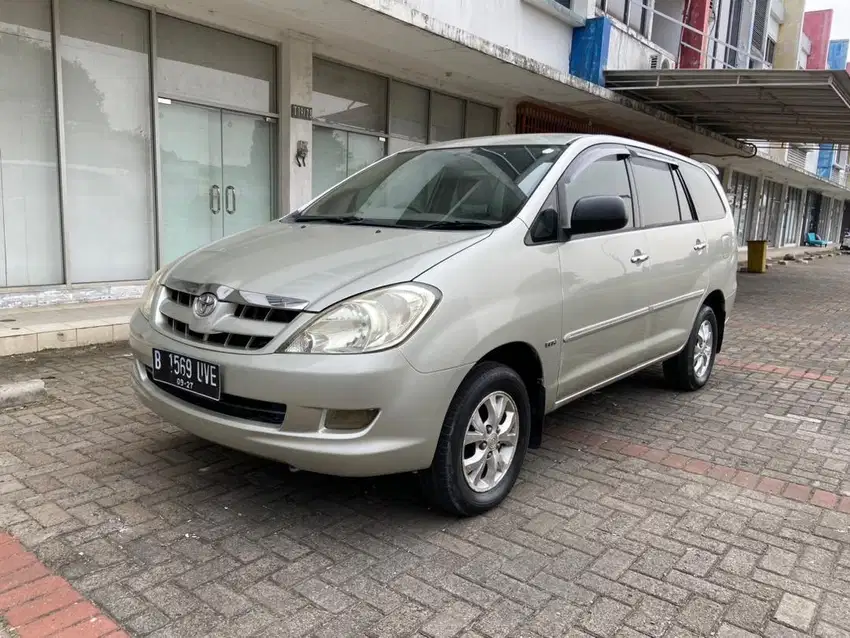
[
  {"x": 807, "y": 375},
  {"x": 39, "y": 604}
]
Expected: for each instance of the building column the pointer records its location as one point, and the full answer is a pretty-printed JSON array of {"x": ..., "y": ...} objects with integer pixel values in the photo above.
[
  {"x": 507, "y": 117},
  {"x": 295, "y": 73},
  {"x": 696, "y": 15}
]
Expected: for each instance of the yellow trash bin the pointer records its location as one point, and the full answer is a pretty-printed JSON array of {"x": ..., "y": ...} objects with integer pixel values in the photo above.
[{"x": 757, "y": 256}]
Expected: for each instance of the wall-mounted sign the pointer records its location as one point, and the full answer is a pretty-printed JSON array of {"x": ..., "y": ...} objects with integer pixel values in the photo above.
[{"x": 302, "y": 112}]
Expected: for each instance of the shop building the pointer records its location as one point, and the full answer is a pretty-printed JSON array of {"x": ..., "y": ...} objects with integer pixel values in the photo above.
[
  {"x": 132, "y": 132},
  {"x": 130, "y": 135}
]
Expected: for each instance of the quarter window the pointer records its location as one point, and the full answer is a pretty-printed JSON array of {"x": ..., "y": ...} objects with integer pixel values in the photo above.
[
  {"x": 656, "y": 192},
  {"x": 607, "y": 176}
]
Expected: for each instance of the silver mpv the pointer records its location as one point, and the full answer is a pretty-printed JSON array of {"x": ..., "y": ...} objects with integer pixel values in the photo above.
[{"x": 427, "y": 312}]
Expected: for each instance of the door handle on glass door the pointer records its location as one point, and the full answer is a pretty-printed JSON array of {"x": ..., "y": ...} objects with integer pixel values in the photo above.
[
  {"x": 230, "y": 195},
  {"x": 700, "y": 245},
  {"x": 215, "y": 199}
]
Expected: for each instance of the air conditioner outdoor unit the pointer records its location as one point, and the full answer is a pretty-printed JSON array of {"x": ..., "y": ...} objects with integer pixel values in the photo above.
[{"x": 658, "y": 61}]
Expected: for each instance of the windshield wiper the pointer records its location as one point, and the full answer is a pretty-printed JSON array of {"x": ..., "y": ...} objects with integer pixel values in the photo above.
[
  {"x": 341, "y": 219},
  {"x": 455, "y": 224}
]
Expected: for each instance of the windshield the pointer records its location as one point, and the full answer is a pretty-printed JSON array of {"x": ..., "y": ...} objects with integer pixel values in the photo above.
[{"x": 448, "y": 189}]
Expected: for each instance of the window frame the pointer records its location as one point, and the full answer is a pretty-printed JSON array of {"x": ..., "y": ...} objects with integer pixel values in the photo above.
[
  {"x": 554, "y": 197},
  {"x": 673, "y": 166},
  {"x": 580, "y": 163}
]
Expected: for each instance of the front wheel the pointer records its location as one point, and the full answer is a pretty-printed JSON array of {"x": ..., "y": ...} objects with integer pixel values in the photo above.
[
  {"x": 691, "y": 368},
  {"x": 482, "y": 443}
]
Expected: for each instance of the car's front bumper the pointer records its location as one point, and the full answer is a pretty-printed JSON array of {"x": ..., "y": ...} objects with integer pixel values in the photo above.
[{"x": 402, "y": 438}]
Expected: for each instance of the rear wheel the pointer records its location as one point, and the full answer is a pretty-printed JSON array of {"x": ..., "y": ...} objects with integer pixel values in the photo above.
[
  {"x": 482, "y": 443},
  {"x": 691, "y": 368}
]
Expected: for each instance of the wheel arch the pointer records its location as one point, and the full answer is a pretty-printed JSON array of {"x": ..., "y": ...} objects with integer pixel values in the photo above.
[
  {"x": 717, "y": 302},
  {"x": 524, "y": 359}
]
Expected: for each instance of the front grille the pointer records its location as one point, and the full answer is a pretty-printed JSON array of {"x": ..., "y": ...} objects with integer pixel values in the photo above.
[
  {"x": 225, "y": 339},
  {"x": 254, "y": 313},
  {"x": 228, "y": 339},
  {"x": 229, "y": 405}
]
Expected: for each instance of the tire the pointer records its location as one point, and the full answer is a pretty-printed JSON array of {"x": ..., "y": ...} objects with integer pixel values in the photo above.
[
  {"x": 445, "y": 483},
  {"x": 682, "y": 371}
]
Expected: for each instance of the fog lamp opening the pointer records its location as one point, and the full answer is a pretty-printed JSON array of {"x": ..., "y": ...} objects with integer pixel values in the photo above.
[{"x": 349, "y": 419}]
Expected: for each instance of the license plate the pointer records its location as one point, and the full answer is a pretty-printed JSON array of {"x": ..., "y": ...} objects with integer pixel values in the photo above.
[{"x": 187, "y": 373}]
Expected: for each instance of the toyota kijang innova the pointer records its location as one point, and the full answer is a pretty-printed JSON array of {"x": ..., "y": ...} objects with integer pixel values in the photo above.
[{"x": 427, "y": 312}]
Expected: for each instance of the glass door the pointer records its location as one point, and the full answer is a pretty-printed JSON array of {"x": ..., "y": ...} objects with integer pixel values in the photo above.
[
  {"x": 247, "y": 177},
  {"x": 338, "y": 154},
  {"x": 216, "y": 175},
  {"x": 190, "y": 185}
]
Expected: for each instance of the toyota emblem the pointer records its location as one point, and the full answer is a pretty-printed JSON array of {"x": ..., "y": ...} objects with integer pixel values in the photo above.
[{"x": 204, "y": 304}]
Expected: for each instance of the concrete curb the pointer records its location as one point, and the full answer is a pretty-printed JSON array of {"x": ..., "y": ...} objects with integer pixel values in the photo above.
[{"x": 15, "y": 394}]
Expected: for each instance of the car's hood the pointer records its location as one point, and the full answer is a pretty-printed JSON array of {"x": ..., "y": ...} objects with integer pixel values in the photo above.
[{"x": 320, "y": 263}]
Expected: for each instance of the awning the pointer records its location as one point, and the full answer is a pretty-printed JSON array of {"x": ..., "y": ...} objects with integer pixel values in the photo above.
[{"x": 780, "y": 106}]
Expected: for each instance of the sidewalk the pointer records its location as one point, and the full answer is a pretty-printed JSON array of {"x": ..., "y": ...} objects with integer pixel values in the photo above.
[
  {"x": 799, "y": 252},
  {"x": 64, "y": 326}
]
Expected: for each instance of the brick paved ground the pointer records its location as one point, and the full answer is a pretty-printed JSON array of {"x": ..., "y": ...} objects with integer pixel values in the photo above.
[{"x": 646, "y": 513}]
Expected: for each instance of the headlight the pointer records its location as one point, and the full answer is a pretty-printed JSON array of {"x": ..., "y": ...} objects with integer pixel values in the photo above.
[
  {"x": 150, "y": 293},
  {"x": 373, "y": 321}
]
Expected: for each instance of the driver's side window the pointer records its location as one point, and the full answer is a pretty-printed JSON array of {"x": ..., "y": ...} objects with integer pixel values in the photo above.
[{"x": 605, "y": 176}]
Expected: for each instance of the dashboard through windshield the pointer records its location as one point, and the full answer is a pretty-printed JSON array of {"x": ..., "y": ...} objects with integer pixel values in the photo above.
[{"x": 467, "y": 188}]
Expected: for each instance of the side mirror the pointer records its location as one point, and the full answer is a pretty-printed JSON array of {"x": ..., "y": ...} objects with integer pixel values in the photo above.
[{"x": 598, "y": 214}]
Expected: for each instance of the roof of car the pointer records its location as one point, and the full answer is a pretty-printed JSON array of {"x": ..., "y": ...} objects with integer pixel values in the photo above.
[
  {"x": 534, "y": 139},
  {"x": 529, "y": 139}
]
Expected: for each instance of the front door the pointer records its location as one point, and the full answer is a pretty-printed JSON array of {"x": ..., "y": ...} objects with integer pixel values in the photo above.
[
  {"x": 216, "y": 175},
  {"x": 605, "y": 280}
]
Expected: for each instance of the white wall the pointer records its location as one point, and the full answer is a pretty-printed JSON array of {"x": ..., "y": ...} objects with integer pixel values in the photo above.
[
  {"x": 628, "y": 52},
  {"x": 509, "y": 23}
]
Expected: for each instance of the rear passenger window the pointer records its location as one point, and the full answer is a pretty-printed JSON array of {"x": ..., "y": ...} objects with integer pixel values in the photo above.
[
  {"x": 707, "y": 200},
  {"x": 607, "y": 176},
  {"x": 656, "y": 191}
]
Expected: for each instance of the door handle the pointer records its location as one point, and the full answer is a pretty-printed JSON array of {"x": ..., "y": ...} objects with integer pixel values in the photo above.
[
  {"x": 230, "y": 196},
  {"x": 215, "y": 199},
  {"x": 639, "y": 258},
  {"x": 700, "y": 245}
]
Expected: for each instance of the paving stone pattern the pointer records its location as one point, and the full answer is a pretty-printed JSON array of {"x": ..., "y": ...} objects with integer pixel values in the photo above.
[{"x": 646, "y": 512}]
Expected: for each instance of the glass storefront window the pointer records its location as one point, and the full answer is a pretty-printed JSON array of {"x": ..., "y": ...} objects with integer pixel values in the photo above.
[
  {"x": 107, "y": 102},
  {"x": 349, "y": 97},
  {"x": 743, "y": 197},
  {"x": 30, "y": 229},
  {"x": 480, "y": 120},
  {"x": 791, "y": 217},
  {"x": 201, "y": 63},
  {"x": 347, "y": 100},
  {"x": 408, "y": 116},
  {"x": 447, "y": 117}
]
